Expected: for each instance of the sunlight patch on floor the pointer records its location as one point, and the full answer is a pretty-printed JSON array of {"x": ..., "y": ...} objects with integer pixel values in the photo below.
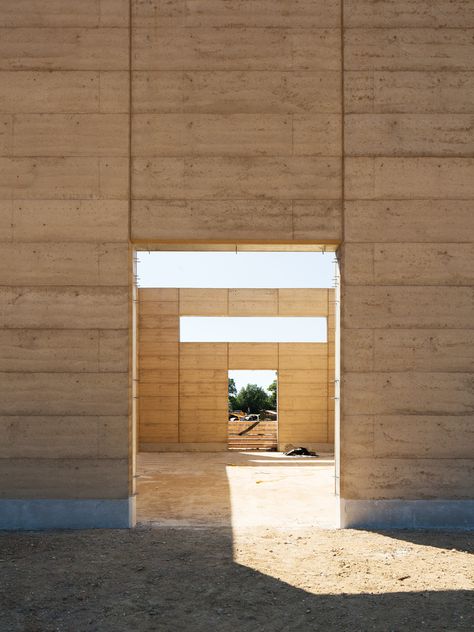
[
  {"x": 279, "y": 492},
  {"x": 236, "y": 489}
]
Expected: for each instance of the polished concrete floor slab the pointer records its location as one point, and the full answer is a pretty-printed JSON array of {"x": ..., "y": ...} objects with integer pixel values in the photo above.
[{"x": 236, "y": 489}]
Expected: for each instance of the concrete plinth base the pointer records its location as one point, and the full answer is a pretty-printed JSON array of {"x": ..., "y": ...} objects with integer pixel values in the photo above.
[
  {"x": 26, "y": 514},
  {"x": 407, "y": 514}
]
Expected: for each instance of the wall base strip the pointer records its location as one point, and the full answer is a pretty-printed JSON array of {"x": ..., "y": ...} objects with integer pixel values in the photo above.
[
  {"x": 33, "y": 514},
  {"x": 407, "y": 514}
]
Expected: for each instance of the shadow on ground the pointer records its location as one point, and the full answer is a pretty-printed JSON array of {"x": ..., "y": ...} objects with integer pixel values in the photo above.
[
  {"x": 438, "y": 539},
  {"x": 237, "y": 559},
  {"x": 186, "y": 580}
]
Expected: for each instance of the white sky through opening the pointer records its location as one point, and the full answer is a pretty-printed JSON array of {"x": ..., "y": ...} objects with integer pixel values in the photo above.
[
  {"x": 253, "y": 329},
  {"x": 230, "y": 270}
]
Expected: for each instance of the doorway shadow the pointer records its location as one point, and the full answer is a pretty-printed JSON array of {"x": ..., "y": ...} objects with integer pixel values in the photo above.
[
  {"x": 186, "y": 580},
  {"x": 206, "y": 573},
  {"x": 462, "y": 541}
]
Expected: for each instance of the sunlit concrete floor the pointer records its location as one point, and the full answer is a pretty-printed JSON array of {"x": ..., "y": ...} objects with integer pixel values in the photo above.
[{"x": 236, "y": 489}]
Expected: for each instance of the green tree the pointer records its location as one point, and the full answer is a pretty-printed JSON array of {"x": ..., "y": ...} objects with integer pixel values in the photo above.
[
  {"x": 252, "y": 398},
  {"x": 272, "y": 398},
  {"x": 232, "y": 394}
]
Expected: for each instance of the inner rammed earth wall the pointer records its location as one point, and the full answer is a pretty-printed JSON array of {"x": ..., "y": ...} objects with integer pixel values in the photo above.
[
  {"x": 182, "y": 387},
  {"x": 250, "y": 120}
]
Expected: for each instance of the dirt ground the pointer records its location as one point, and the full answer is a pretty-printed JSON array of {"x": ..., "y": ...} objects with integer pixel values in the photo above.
[
  {"x": 235, "y": 543},
  {"x": 259, "y": 580}
]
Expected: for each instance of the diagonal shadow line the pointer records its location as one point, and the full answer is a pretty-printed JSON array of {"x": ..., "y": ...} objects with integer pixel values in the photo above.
[{"x": 186, "y": 580}]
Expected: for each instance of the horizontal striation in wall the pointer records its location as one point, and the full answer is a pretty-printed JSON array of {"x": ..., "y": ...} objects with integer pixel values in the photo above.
[
  {"x": 236, "y": 125},
  {"x": 64, "y": 231},
  {"x": 408, "y": 297},
  {"x": 183, "y": 389}
]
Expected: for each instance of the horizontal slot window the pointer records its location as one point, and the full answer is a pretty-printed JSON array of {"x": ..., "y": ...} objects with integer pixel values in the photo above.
[
  {"x": 253, "y": 329},
  {"x": 242, "y": 270}
]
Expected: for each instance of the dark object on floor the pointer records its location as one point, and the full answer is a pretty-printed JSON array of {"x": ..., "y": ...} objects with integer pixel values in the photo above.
[{"x": 300, "y": 452}]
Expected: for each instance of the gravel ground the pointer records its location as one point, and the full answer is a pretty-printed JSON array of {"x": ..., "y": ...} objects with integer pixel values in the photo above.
[{"x": 260, "y": 580}]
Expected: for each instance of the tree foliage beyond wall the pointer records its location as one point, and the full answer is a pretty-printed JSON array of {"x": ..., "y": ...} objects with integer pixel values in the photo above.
[{"x": 252, "y": 398}]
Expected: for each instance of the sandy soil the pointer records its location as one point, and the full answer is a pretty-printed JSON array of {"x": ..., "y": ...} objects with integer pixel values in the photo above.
[
  {"x": 255, "y": 579},
  {"x": 209, "y": 556}
]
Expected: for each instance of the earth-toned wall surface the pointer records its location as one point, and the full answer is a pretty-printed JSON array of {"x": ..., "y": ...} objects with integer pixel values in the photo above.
[{"x": 131, "y": 122}]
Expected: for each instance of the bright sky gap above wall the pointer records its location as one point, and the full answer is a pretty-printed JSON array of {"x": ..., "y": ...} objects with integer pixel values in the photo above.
[
  {"x": 199, "y": 269},
  {"x": 253, "y": 329}
]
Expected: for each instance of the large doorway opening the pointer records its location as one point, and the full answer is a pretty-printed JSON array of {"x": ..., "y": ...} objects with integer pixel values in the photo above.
[
  {"x": 253, "y": 410},
  {"x": 215, "y": 327}
]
